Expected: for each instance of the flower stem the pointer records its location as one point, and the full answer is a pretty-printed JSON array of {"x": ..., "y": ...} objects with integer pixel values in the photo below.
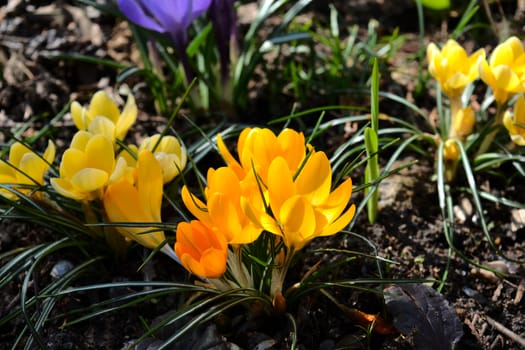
[{"x": 487, "y": 141}]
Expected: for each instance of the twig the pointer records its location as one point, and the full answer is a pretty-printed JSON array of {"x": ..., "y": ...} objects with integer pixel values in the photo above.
[
  {"x": 519, "y": 292},
  {"x": 505, "y": 331}
]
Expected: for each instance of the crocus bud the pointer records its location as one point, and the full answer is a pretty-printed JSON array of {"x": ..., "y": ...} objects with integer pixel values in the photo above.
[
  {"x": 201, "y": 250},
  {"x": 464, "y": 122},
  {"x": 450, "y": 150}
]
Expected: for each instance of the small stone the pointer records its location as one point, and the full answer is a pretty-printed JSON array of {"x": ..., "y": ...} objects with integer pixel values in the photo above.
[
  {"x": 517, "y": 219},
  {"x": 61, "y": 268}
]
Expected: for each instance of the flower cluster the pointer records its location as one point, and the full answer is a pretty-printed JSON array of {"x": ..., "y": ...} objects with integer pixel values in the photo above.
[
  {"x": 25, "y": 170},
  {"x": 503, "y": 73},
  {"x": 280, "y": 186},
  {"x": 128, "y": 181}
]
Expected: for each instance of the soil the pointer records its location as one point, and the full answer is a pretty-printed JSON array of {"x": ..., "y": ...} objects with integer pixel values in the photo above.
[{"x": 37, "y": 83}]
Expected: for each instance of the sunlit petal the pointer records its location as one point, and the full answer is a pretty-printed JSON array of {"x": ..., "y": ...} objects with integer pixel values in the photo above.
[
  {"x": 89, "y": 179},
  {"x": 102, "y": 105}
]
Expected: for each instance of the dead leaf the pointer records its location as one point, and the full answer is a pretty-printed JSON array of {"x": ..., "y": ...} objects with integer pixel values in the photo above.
[{"x": 420, "y": 311}]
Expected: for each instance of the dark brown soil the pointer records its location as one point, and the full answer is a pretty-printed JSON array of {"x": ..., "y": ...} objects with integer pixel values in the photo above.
[{"x": 37, "y": 83}]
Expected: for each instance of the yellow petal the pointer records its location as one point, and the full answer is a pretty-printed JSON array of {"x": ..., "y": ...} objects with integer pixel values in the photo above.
[
  {"x": 280, "y": 184},
  {"x": 339, "y": 224},
  {"x": 89, "y": 179},
  {"x": 337, "y": 201},
  {"x": 50, "y": 152},
  {"x": 7, "y": 173},
  {"x": 80, "y": 140},
  {"x": 214, "y": 263},
  {"x": 519, "y": 110},
  {"x": 502, "y": 55},
  {"x": 33, "y": 166},
  {"x": 150, "y": 185},
  {"x": 131, "y": 158},
  {"x": 16, "y": 152},
  {"x": 100, "y": 154},
  {"x": 65, "y": 188},
  {"x": 122, "y": 202},
  {"x": 224, "y": 180},
  {"x": 73, "y": 160},
  {"x": 508, "y": 122},
  {"x": 515, "y": 45},
  {"x": 195, "y": 206},
  {"x": 102, "y": 126},
  {"x": 170, "y": 164},
  {"x": 506, "y": 79},
  {"x": 228, "y": 158},
  {"x": 78, "y": 114},
  {"x": 315, "y": 179},
  {"x": 432, "y": 50},
  {"x": 298, "y": 218},
  {"x": 127, "y": 118},
  {"x": 225, "y": 215},
  {"x": 121, "y": 170},
  {"x": 293, "y": 146},
  {"x": 102, "y": 105}
]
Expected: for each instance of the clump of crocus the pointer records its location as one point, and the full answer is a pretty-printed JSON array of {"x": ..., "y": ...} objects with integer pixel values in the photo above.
[
  {"x": 279, "y": 186},
  {"x": 515, "y": 122},
  {"x": 103, "y": 116},
  {"x": 139, "y": 202},
  {"x": 169, "y": 17},
  {"x": 454, "y": 69},
  {"x": 26, "y": 168}
]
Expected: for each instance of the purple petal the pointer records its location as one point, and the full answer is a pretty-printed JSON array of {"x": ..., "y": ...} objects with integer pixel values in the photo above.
[
  {"x": 133, "y": 10},
  {"x": 198, "y": 8},
  {"x": 169, "y": 13}
]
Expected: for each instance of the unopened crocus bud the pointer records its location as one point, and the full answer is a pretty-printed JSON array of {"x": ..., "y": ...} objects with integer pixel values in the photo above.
[
  {"x": 224, "y": 19},
  {"x": 464, "y": 122},
  {"x": 201, "y": 250},
  {"x": 450, "y": 150}
]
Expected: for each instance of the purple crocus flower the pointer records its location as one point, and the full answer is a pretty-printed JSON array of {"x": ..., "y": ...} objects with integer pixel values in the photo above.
[{"x": 171, "y": 17}]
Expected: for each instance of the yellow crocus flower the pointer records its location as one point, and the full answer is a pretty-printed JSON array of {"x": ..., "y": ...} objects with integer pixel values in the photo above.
[
  {"x": 139, "y": 202},
  {"x": 201, "y": 250},
  {"x": 169, "y": 153},
  {"x": 86, "y": 167},
  {"x": 103, "y": 116},
  {"x": 515, "y": 122},
  {"x": 452, "y": 67},
  {"x": 258, "y": 147},
  {"x": 505, "y": 71},
  {"x": 25, "y": 167},
  {"x": 223, "y": 211},
  {"x": 302, "y": 205}
]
